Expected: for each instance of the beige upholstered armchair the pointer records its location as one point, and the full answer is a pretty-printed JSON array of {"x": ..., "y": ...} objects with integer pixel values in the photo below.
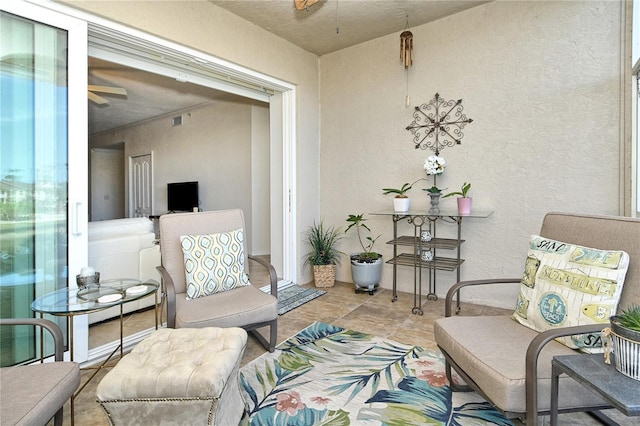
[
  {"x": 510, "y": 364},
  {"x": 190, "y": 306},
  {"x": 33, "y": 394}
]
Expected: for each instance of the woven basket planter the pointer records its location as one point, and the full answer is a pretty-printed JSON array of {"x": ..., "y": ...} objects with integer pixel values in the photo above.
[{"x": 324, "y": 275}]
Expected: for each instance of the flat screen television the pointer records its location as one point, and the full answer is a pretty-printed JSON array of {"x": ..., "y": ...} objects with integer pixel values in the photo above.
[{"x": 182, "y": 196}]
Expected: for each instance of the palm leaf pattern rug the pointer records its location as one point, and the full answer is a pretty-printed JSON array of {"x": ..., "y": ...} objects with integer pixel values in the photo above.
[{"x": 328, "y": 375}]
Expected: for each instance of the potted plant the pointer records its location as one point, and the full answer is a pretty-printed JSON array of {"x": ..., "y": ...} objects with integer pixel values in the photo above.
[
  {"x": 625, "y": 334},
  {"x": 464, "y": 202},
  {"x": 323, "y": 256},
  {"x": 434, "y": 165},
  {"x": 366, "y": 266},
  {"x": 401, "y": 202}
]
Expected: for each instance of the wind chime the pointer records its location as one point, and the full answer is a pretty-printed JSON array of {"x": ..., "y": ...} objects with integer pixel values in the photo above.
[
  {"x": 406, "y": 54},
  {"x": 406, "y": 49}
]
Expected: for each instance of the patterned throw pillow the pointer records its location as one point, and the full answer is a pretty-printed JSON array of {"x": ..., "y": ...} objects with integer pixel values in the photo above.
[
  {"x": 213, "y": 263},
  {"x": 565, "y": 285}
]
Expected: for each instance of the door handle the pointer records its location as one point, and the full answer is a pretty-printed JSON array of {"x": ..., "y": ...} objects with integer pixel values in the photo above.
[{"x": 77, "y": 210}]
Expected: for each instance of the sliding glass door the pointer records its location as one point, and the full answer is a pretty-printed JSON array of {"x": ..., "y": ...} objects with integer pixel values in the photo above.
[{"x": 42, "y": 222}]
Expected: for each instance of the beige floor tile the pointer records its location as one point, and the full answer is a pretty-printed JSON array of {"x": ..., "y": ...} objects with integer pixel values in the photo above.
[{"x": 340, "y": 306}]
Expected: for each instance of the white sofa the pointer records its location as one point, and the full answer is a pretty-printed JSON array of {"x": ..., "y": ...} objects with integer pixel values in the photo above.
[{"x": 124, "y": 248}]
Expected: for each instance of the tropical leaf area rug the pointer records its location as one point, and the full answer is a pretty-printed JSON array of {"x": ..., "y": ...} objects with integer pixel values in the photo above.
[
  {"x": 328, "y": 375},
  {"x": 293, "y": 296}
]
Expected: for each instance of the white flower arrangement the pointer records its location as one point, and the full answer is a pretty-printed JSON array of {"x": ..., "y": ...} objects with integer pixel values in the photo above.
[{"x": 434, "y": 165}]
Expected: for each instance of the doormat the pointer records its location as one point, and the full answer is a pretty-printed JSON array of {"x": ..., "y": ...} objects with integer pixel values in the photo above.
[
  {"x": 293, "y": 296},
  {"x": 332, "y": 375}
]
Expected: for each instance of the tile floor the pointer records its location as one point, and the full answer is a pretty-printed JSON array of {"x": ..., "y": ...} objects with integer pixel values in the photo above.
[{"x": 340, "y": 306}]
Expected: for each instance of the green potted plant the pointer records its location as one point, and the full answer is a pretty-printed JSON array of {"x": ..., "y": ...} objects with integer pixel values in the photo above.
[
  {"x": 401, "y": 202},
  {"x": 366, "y": 266},
  {"x": 464, "y": 202},
  {"x": 324, "y": 255},
  {"x": 625, "y": 331},
  {"x": 627, "y": 323}
]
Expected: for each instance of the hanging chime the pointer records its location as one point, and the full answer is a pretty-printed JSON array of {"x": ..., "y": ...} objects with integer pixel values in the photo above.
[{"x": 406, "y": 48}]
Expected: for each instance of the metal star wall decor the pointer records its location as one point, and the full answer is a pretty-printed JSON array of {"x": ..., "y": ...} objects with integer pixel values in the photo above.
[{"x": 438, "y": 124}]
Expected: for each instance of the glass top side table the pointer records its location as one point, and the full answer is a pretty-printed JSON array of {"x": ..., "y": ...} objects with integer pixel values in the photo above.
[
  {"x": 424, "y": 255},
  {"x": 73, "y": 301},
  {"x": 480, "y": 214},
  {"x": 70, "y": 302}
]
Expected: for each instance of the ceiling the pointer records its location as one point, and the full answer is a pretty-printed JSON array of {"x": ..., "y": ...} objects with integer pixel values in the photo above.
[
  {"x": 148, "y": 96},
  {"x": 314, "y": 29},
  {"x": 151, "y": 95}
]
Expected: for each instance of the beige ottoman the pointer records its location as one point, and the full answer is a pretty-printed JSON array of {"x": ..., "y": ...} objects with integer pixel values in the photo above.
[{"x": 186, "y": 376}]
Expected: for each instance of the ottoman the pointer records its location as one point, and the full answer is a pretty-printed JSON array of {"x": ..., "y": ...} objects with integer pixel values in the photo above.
[{"x": 180, "y": 376}]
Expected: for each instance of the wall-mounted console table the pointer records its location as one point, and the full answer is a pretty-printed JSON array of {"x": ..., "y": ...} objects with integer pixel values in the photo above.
[{"x": 426, "y": 249}]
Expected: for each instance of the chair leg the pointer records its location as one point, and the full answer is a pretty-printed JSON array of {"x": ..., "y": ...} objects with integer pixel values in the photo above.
[
  {"x": 454, "y": 387},
  {"x": 273, "y": 341},
  {"x": 57, "y": 419},
  {"x": 273, "y": 336}
]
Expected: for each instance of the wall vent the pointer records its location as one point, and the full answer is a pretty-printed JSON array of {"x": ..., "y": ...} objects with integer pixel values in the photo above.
[{"x": 176, "y": 121}]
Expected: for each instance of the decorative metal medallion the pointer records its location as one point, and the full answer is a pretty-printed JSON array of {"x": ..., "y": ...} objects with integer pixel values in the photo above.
[{"x": 438, "y": 124}]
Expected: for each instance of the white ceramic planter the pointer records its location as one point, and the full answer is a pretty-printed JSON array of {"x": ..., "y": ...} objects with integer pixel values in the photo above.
[
  {"x": 366, "y": 276},
  {"x": 401, "y": 204}
]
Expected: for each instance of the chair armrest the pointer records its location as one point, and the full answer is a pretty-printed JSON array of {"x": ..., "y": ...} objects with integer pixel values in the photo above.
[
  {"x": 170, "y": 292},
  {"x": 273, "y": 277},
  {"x": 51, "y": 326},
  {"x": 457, "y": 286},
  {"x": 533, "y": 351}
]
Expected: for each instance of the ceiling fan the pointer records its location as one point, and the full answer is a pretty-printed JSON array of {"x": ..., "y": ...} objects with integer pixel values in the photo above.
[
  {"x": 304, "y": 4},
  {"x": 103, "y": 89}
]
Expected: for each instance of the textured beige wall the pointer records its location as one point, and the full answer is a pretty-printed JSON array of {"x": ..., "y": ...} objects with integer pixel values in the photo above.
[
  {"x": 541, "y": 80},
  {"x": 213, "y": 146}
]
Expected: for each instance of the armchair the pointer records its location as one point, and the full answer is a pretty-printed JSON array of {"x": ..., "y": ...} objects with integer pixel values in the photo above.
[
  {"x": 246, "y": 306},
  {"x": 33, "y": 394},
  {"x": 510, "y": 364}
]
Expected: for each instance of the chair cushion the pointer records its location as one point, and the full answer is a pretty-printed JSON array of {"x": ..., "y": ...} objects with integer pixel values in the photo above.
[
  {"x": 567, "y": 285},
  {"x": 235, "y": 308},
  {"x": 32, "y": 394},
  {"x": 495, "y": 360},
  {"x": 213, "y": 263}
]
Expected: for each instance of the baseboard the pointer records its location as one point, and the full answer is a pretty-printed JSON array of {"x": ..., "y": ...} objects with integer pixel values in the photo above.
[
  {"x": 282, "y": 284},
  {"x": 101, "y": 353}
]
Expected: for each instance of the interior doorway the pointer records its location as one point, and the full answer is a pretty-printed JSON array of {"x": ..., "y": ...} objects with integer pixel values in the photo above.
[
  {"x": 118, "y": 46},
  {"x": 141, "y": 185},
  {"x": 106, "y": 183}
]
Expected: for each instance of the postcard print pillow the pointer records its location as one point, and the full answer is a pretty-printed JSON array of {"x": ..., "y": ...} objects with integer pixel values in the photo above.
[
  {"x": 565, "y": 285},
  {"x": 213, "y": 263}
]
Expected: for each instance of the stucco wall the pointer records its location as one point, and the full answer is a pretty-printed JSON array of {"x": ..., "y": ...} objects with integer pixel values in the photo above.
[
  {"x": 541, "y": 80},
  {"x": 215, "y": 146}
]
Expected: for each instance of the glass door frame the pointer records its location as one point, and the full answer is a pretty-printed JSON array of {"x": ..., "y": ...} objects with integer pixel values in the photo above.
[{"x": 77, "y": 151}]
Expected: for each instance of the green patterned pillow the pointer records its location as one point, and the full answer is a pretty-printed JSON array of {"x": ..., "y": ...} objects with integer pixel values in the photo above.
[
  {"x": 565, "y": 285},
  {"x": 213, "y": 263}
]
